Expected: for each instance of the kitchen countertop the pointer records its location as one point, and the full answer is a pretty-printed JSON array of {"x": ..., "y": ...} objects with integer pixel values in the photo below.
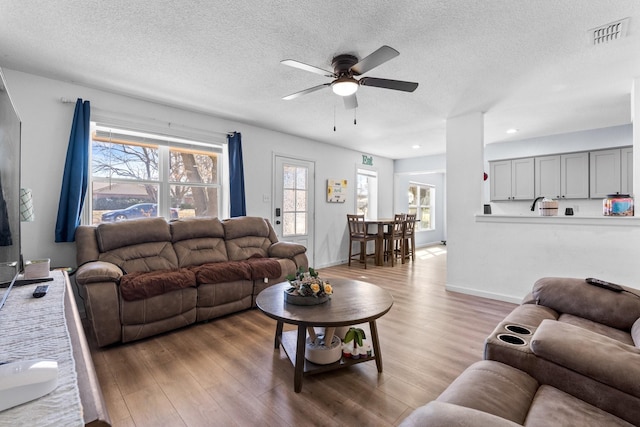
[{"x": 620, "y": 221}]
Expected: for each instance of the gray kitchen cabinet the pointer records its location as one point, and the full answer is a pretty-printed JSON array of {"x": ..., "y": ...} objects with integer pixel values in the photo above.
[
  {"x": 605, "y": 173},
  {"x": 562, "y": 176},
  {"x": 626, "y": 170},
  {"x": 611, "y": 172},
  {"x": 511, "y": 179}
]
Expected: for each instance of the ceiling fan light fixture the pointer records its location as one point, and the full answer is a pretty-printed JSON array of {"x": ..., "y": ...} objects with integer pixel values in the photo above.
[{"x": 344, "y": 86}]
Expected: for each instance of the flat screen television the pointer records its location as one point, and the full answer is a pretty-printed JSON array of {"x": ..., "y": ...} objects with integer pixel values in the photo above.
[{"x": 10, "y": 127}]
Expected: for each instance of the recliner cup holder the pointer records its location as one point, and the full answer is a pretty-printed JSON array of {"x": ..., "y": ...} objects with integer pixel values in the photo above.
[
  {"x": 516, "y": 329},
  {"x": 511, "y": 339}
]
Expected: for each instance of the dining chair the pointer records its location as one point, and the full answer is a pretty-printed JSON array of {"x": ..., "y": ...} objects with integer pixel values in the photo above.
[
  {"x": 358, "y": 233},
  {"x": 409, "y": 237},
  {"x": 394, "y": 239}
]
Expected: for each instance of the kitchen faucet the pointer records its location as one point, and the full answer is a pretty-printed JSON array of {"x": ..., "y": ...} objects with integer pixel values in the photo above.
[{"x": 533, "y": 205}]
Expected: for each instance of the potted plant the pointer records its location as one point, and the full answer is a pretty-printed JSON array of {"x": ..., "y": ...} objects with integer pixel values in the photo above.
[{"x": 357, "y": 336}]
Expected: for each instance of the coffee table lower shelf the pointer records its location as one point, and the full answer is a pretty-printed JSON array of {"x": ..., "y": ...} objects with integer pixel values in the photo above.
[{"x": 289, "y": 344}]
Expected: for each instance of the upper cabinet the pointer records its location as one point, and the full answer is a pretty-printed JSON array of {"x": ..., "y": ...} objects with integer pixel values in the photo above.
[
  {"x": 611, "y": 172},
  {"x": 580, "y": 175},
  {"x": 626, "y": 170},
  {"x": 563, "y": 176},
  {"x": 512, "y": 179}
]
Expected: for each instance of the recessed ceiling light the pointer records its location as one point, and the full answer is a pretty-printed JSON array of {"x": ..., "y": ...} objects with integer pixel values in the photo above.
[
  {"x": 512, "y": 131},
  {"x": 415, "y": 147}
]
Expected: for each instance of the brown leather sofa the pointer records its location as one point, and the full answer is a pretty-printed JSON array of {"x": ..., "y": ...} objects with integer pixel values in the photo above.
[
  {"x": 142, "y": 277},
  {"x": 573, "y": 349}
]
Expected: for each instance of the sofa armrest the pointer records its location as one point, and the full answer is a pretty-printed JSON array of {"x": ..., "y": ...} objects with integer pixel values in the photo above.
[
  {"x": 97, "y": 272},
  {"x": 286, "y": 250},
  {"x": 442, "y": 414},
  {"x": 574, "y": 296},
  {"x": 596, "y": 356}
]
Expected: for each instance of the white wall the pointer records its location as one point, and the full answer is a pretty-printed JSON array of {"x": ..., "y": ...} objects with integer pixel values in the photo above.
[
  {"x": 46, "y": 124},
  {"x": 502, "y": 260}
]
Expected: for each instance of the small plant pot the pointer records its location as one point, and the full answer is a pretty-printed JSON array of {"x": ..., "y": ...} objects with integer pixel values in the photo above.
[{"x": 355, "y": 356}]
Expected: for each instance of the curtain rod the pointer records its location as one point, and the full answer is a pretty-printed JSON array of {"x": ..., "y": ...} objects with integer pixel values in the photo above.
[{"x": 169, "y": 124}]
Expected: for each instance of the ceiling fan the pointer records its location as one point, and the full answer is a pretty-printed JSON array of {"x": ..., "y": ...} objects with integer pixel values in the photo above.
[{"x": 345, "y": 68}]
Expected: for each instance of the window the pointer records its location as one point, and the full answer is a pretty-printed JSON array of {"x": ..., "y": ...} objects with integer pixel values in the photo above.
[
  {"x": 367, "y": 193},
  {"x": 136, "y": 175},
  {"x": 294, "y": 203},
  {"x": 421, "y": 200}
]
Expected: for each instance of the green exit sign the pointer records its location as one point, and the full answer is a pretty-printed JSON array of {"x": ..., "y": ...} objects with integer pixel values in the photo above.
[{"x": 367, "y": 160}]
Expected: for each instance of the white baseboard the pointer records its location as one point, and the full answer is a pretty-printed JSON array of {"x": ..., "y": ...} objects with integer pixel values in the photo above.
[{"x": 484, "y": 294}]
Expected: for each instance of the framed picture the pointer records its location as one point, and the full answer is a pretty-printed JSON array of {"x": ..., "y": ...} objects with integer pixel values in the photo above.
[{"x": 336, "y": 190}]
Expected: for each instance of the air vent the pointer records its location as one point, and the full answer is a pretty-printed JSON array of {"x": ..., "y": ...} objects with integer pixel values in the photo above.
[{"x": 609, "y": 32}]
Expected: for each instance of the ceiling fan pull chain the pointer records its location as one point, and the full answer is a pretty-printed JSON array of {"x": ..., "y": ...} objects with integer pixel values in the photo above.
[
  {"x": 354, "y": 116},
  {"x": 334, "y": 116}
]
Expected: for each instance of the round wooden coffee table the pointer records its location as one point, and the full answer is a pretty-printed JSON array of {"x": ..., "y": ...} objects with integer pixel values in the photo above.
[{"x": 352, "y": 302}]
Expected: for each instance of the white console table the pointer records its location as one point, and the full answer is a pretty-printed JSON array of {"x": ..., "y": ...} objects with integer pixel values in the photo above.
[{"x": 50, "y": 327}]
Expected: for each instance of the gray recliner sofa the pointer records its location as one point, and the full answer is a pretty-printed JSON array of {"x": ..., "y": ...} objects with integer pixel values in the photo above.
[
  {"x": 568, "y": 355},
  {"x": 143, "y": 277}
]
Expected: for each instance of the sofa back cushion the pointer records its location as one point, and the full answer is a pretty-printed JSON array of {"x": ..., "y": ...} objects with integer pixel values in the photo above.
[
  {"x": 137, "y": 245},
  {"x": 247, "y": 237},
  {"x": 574, "y": 296},
  {"x": 198, "y": 241}
]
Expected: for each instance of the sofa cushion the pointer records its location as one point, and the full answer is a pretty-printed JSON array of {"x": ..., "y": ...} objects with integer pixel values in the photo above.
[
  {"x": 264, "y": 268},
  {"x": 596, "y": 356},
  {"x": 553, "y": 407},
  {"x": 126, "y": 233},
  {"x": 495, "y": 388},
  {"x": 219, "y": 272},
  {"x": 574, "y": 296},
  {"x": 143, "y": 257},
  {"x": 442, "y": 414},
  {"x": 198, "y": 241},
  {"x": 599, "y": 328},
  {"x": 142, "y": 285},
  {"x": 246, "y": 237},
  {"x": 192, "y": 228}
]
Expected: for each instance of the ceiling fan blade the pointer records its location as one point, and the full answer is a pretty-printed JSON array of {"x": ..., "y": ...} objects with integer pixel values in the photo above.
[
  {"x": 379, "y": 57},
  {"x": 389, "y": 84},
  {"x": 306, "y": 67},
  {"x": 350, "y": 102},
  {"x": 306, "y": 91}
]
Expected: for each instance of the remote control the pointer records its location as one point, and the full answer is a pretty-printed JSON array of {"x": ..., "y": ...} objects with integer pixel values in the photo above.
[
  {"x": 604, "y": 284},
  {"x": 40, "y": 291}
]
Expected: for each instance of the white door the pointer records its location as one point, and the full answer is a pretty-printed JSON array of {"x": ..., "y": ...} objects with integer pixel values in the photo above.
[{"x": 293, "y": 203}]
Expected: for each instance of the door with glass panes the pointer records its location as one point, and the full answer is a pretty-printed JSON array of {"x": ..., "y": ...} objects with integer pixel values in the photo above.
[{"x": 293, "y": 213}]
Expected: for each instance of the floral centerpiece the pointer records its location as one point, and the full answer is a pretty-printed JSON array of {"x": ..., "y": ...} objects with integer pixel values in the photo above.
[{"x": 307, "y": 288}]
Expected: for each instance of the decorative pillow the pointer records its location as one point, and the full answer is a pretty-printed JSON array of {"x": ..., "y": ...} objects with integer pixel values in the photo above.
[{"x": 142, "y": 285}]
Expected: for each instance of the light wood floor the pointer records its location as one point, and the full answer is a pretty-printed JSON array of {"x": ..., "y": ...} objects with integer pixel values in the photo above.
[{"x": 226, "y": 372}]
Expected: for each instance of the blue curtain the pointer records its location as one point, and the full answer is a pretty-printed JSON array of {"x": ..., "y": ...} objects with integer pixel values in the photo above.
[
  {"x": 76, "y": 175},
  {"x": 236, "y": 176}
]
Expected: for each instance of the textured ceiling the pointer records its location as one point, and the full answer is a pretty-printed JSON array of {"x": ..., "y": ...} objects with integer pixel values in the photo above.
[{"x": 525, "y": 64}]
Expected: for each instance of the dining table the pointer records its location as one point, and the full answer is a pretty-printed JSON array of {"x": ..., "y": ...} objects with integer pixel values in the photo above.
[{"x": 381, "y": 225}]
